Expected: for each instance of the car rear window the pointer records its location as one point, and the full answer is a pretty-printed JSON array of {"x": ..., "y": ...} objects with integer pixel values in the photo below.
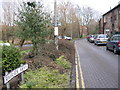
[
  {"x": 103, "y": 36},
  {"x": 107, "y": 36},
  {"x": 118, "y": 38}
]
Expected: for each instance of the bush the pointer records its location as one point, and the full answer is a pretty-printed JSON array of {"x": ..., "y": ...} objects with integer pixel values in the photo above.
[
  {"x": 11, "y": 58},
  {"x": 63, "y": 62}
]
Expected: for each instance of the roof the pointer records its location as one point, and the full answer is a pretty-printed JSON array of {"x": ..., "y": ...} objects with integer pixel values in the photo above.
[{"x": 112, "y": 9}]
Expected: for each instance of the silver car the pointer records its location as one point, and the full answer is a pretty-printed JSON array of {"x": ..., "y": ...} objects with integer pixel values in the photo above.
[
  {"x": 91, "y": 39},
  {"x": 101, "y": 39}
]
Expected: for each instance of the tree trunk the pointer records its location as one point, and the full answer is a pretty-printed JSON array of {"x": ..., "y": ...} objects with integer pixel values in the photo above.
[
  {"x": 87, "y": 30},
  {"x": 82, "y": 32},
  {"x": 21, "y": 42},
  {"x": 13, "y": 40},
  {"x": 78, "y": 30},
  {"x": 35, "y": 51}
]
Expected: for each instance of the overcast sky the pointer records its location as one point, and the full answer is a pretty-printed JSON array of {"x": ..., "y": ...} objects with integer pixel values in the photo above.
[{"x": 100, "y": 5}]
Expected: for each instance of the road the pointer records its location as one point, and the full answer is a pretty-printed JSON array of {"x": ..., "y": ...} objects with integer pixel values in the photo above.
[{"x": 95, "y": 67}]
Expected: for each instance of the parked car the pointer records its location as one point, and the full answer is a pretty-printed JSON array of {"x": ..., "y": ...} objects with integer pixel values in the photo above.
[
  {"x": 101, "y": 39},
  {"x": 68, "y": 38},
  {"x": 65, "y": 37},
  {"x": 95, "y": 35},
  {"x": 59, "y": 37},
  {"x": 88, "y": 37},
  {"x": 114, "y": 43},
  {"x": 91, "y": 39}
]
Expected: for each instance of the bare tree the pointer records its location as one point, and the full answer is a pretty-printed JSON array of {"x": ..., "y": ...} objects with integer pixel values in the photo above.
[
  {"x": 67, "y": 16},
  {"x": 62, "y": 9},
  {"x": 87, "y": 14},
  {"x": 8, "y": 21},
  {"x": 80, "y": 18}
]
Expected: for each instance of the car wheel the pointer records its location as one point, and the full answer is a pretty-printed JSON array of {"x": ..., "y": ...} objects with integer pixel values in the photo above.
[
  {"x": 107, "y": 47},
  {"x": 114, "y": 50},
  {"x": 95, "y": 43}
]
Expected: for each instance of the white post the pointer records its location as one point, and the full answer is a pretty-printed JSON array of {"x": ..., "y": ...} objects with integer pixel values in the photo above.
[
  {"x": 7, "y": 84},
  {"x": 22, "y": 76},
  {"x": 55, "y": 22}
]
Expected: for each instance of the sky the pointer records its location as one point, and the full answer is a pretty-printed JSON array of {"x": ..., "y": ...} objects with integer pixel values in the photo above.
[{"x": 101, "y": 6}]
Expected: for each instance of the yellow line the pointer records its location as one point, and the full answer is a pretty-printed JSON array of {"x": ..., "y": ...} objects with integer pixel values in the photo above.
[
  {"x": 81, "y": 74},
  {"x": 77, "y": 80}
]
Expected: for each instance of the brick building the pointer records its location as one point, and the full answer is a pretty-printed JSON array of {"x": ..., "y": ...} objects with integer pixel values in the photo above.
[
  {"x": 101, "y": 26},
  {"x": 83, "y": 30},
  {"x": 110, "y": 21}
]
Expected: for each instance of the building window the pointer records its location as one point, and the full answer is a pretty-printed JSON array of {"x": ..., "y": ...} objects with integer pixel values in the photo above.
[
  {"x": 113, "y": 26},
  {"x": 104, "y": 19},
  {"x": 111, "y": 19},
  {"x": 115, "y": 17}
]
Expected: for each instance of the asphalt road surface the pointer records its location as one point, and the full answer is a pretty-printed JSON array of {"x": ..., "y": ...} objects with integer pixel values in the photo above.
[{"x": 97, "y": 68}]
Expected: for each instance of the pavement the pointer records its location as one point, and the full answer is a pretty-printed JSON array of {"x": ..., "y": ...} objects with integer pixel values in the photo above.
[{"x": 95, "y": 67}]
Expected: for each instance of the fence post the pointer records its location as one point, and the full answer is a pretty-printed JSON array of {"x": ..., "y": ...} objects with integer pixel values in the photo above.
[
  {"x": 7, "y": 84},
  {"x": 22, "y": 76}
]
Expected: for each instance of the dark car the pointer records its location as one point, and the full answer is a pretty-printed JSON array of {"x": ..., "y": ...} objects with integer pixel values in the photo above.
[{"x": 114, "y": 43}]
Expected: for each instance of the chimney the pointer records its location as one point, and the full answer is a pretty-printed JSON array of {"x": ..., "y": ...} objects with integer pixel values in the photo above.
[
  {"x": 118, "y": 2},
  {"x": 110, "y": 8}
]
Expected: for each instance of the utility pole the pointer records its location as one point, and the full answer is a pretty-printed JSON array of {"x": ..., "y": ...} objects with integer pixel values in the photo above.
[{"x": 55, "y": 23}]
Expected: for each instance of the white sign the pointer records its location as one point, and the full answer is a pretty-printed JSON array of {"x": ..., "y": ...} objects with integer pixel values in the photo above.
[
  {"x": 56, "y": 31},
  {"x": 58, "y": 24},
  {"x": 14, "y": 73}
]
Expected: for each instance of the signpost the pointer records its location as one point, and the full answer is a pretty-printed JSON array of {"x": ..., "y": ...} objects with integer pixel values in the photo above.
[
  {"x": 58, "y": 24},
  {"x": 56, "y": 31},
  {"x": 55, "y": 22},
  {"x": 12, "y": 74}
]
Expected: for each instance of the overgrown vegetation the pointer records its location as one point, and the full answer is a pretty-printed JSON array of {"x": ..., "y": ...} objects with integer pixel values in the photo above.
[
  {"x": 25, "y": 52},
  {"x": 46, "y": 78},
  {"x": 63, "y": 62},
  {"x": 51, "y": 68}
]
